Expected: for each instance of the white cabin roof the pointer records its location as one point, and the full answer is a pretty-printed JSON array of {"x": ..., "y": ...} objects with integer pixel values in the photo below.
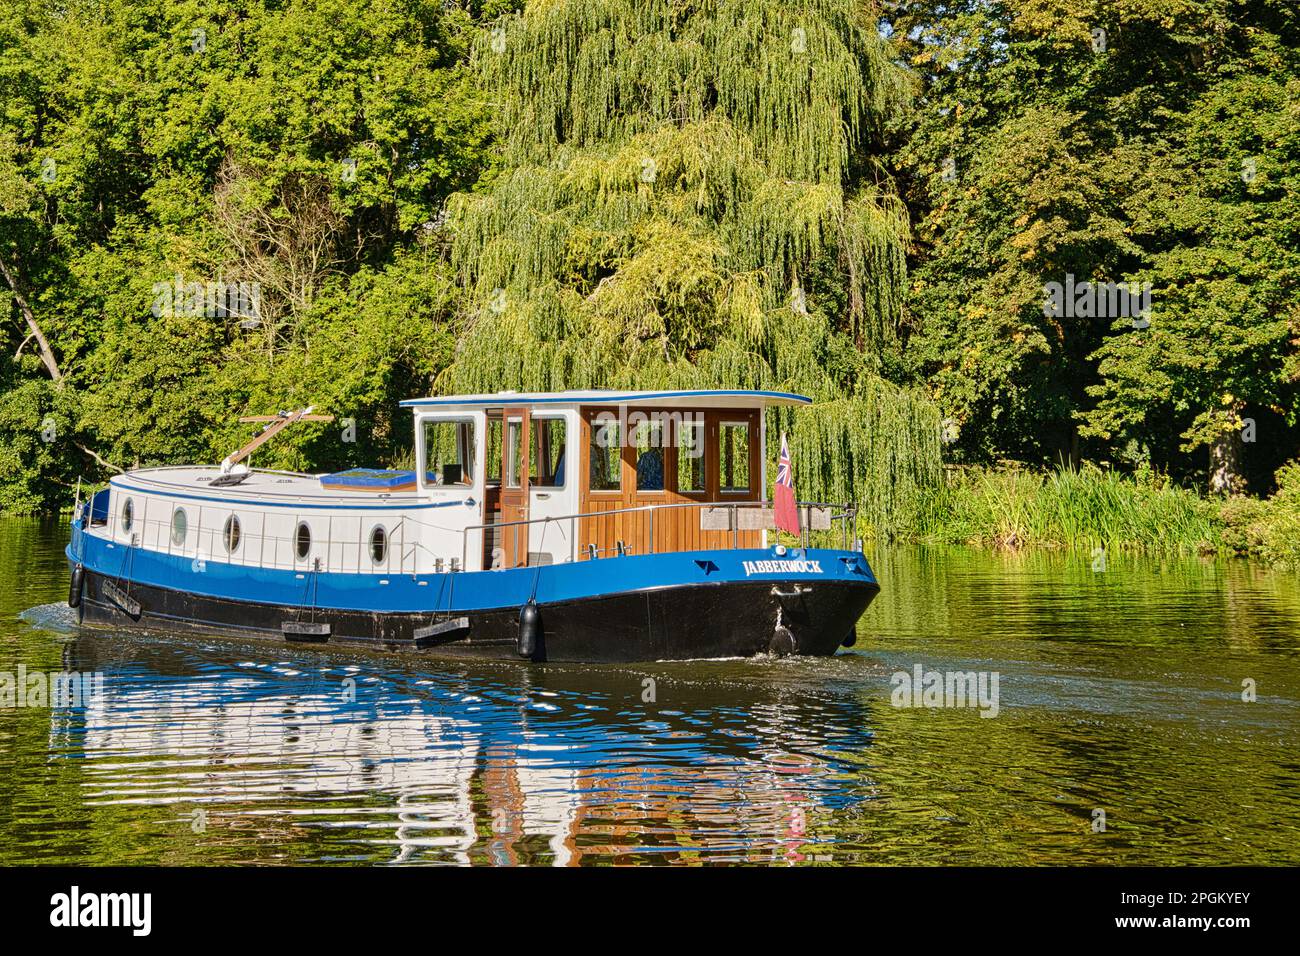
[
  {"x": 261, "y": 487},
  {"x": 691, "y": 398}
]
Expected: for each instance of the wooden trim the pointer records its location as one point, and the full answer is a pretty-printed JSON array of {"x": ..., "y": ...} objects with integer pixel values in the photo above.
[
  {"x": 515, "y": 498},
  {"x": 587, "y": 415},
  {"x": 674, "y": 529},
  {"x": 703, "y": 493},
  {"x": 754, "y": 491}
]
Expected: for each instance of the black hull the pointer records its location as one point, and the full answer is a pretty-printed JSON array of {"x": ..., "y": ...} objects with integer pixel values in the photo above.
[{"x": 676, "y": 623}]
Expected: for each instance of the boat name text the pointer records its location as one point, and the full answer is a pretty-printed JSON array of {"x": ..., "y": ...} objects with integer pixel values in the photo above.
[{"x": 782, "y": 567}]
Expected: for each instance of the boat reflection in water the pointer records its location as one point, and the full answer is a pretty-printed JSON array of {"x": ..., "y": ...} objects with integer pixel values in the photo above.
[{"x": 370, "y": 759}]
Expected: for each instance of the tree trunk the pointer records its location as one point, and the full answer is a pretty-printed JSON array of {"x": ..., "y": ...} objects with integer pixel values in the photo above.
[
  {"x": 1225, "y": 455},
  {"x": 47, "y": 354},
  {"x": 1067, "y": 450}
]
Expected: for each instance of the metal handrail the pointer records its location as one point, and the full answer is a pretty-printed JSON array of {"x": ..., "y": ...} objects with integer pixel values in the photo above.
[
  {"x": 155, "y": 533},
  {"x": 847, "y": 513}
]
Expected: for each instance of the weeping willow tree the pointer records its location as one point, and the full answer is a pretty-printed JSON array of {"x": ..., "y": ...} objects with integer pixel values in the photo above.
[
  {"x": 688, "y": 198},
  {"x": 878, "y": 449}
]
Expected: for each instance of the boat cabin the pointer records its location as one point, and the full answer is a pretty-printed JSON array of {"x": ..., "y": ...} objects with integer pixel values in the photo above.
[
  {"x": 580, "y": 475},
  {"x": 501, "y": 481}
]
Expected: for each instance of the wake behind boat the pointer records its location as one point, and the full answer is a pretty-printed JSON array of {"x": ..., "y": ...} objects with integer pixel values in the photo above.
[{"x": 574, "y": 526}]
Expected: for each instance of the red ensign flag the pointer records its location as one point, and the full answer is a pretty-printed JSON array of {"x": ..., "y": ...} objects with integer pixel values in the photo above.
[{"x": 786, "y": 513}]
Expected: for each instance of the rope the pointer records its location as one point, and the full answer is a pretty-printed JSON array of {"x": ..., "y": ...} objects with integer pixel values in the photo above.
[{"x": 537, "y": 575}]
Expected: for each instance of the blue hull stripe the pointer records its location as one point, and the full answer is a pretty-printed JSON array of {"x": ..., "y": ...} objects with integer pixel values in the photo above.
[{"x": 463, "y": 591}]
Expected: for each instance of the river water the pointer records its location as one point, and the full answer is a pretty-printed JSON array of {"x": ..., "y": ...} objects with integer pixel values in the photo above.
[{"x": 1120, "y": 735}]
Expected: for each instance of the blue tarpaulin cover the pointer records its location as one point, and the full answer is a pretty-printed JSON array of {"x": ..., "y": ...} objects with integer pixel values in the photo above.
[{"x": 369, "y": 479}]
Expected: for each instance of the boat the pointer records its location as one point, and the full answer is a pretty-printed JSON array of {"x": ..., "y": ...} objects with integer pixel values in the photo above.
[{"x": 587, "y": 526}]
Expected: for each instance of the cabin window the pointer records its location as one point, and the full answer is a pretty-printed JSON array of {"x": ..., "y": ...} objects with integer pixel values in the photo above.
[
  {"x": 128, "y": 515},
  {"x": 449, "y": 451},
  {"x": 231, "y": 534},
  {"x": 547, "y": 452},
  {"x": 648, "y": 438},
  {"x": 180, "y": 525},
  {"x": 606, "y": 453},
  {"x": 690, "y": 457},
  {"x": 493, "y": 463},
  {"x": 733, "y": 457},
  {"x": 514, "y": 442},
  {"x": 302, "y": 540},
  {"x": 378, "y": 544}
]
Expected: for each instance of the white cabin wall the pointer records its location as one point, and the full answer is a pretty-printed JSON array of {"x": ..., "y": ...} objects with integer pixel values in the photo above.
[
  {"x": 340, "y": 537},
  {"x": 449, "y": 531}
]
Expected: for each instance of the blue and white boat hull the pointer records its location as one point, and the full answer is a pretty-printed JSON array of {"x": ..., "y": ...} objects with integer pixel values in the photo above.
[{"x": 671, "y": 606}]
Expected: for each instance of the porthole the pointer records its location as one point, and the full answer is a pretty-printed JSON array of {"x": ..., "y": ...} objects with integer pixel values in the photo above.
[
  {"x": 378, "y": 544},
  {"x": 303, "y": 540},
  {"x": 231, "y": 534},
  {"x": 180, "y": 525},
  {"x": 128, "y": 515}
]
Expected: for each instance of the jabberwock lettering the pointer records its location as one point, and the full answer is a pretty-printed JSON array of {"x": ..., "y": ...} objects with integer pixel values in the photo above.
[{"x": 782, "y": 567}]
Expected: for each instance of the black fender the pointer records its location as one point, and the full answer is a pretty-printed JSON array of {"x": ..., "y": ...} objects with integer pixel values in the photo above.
[
  {"x": 530, "y": 630},
  {"x": 76, "y": 586}
]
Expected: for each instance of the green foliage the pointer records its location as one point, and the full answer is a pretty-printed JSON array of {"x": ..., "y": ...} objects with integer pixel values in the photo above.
[
  {"x": 1085, "y": 509},
  {"x": 655, "y": 205},
  {"x": 861, "y": 203},
  {"x": 1220, "y": 212},
  {"x": 879, "y": 451},
  {"x": 684, "y": 203},
  {"x": 304, "y": 149},
  {"x": 37, "y": 461},
  {"x": 1163, "y": 150},
  {"x": 1267, "y": 529}
]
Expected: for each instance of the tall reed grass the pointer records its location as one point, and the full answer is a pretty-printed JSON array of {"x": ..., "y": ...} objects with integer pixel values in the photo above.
[{"x": 1084, "y": 508}]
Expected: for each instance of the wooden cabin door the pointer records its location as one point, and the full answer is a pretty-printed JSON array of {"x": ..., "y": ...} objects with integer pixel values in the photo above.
[{"x": 514, "y": 486}]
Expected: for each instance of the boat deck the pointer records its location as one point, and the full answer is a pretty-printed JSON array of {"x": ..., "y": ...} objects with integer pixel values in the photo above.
[{"x": 260, "y": 485}]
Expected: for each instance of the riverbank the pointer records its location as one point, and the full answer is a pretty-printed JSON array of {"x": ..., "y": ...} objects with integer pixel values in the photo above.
[{"x": 1089, "y": 508}]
